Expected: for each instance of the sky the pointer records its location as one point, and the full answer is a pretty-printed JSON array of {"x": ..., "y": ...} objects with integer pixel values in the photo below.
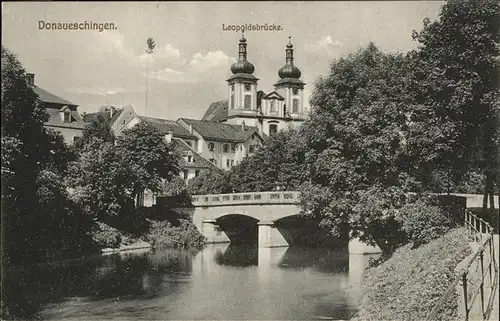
[{"x": 191, "y": 61}]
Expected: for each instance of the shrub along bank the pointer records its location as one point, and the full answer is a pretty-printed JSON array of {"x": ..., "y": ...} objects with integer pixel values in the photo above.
[{"x": 409, "y": 284}]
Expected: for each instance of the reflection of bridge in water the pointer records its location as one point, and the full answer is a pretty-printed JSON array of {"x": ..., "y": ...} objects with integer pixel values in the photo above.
[
  {"x": 269, "y": 219},
  {"x": 291, "y": 266}
]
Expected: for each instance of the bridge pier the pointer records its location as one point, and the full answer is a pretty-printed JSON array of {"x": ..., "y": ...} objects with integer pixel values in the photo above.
[
  {"x": 356, "y": 246},
  {"x": 269, "y": 236}
]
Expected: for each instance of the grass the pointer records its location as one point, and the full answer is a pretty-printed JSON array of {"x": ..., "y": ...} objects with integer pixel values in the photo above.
[{"x": 408, "y": 285}]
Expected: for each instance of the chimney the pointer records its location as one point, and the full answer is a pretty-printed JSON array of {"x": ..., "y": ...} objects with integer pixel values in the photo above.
[
  {"x": 168, "y": 137},
  {"x": 243, "y": 128},
  {"x": 30, "y": 78}
]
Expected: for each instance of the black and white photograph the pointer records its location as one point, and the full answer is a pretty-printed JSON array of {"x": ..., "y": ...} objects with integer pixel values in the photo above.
[{"x": 250, "y": 160}]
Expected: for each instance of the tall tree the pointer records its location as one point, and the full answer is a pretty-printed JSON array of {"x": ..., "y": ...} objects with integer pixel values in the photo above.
[
  {"x": 100, "y": 181},
  {"x": 356, "y": 149},
  {"x": 100, "y": 128},
  {"x": 150, "y": 158},
  {"x": 456, "y": 87},
  {"x": 35, "y": 208},
  {"x": 277, "y": 164}
]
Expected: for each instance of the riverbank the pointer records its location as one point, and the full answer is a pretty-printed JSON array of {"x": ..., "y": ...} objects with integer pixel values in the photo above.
[
  {"x": 152, "y": 234},
  {"x": 409, "y": 284}
]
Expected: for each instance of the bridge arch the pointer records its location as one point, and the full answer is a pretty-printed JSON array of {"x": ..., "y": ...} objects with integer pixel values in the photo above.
[{"x": 239, "y": 228}]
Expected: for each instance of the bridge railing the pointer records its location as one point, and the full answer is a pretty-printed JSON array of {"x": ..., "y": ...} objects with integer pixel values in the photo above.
[
  {"x": 278, "y": 197},
  {"x": 476, "y": 274}
]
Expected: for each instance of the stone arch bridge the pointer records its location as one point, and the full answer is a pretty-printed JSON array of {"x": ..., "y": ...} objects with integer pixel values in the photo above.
[{"x": 269, "y": 219}]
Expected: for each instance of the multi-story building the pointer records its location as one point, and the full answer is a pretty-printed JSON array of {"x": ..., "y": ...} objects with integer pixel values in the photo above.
[
  {"x": 277, "y": 110},
  {"x": 234, "y": 128},
  {"x": 63, "y": 115}
]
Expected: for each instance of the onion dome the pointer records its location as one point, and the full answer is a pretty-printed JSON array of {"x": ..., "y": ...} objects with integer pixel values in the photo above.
[
  {"x": 289, "y": 70},
  {"x": 242, "y": 66}
]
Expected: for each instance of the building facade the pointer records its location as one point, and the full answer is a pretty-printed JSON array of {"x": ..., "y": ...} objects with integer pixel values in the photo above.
[
  {"x": 279, "y": 109},
  {"x": 63, "y": 115}
]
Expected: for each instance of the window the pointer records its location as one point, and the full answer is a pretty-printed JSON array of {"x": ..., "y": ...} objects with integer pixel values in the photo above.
[
  {"x": 248, "y": 87},
  {"x": 213, "y": 161},
  {"x": 272, "y": 108},
  {"x": 197, "y": 173},
  {"x": 185, "y": 174},
  {"x": 232, "y": 101},
  {"x": 232, "y": 88},
  {"x": 67, "y": 117},
  {"x": 232, "y": 162},
  {"x": 225, "y": 148},
  {"x": 295, "y": 106},
  {"x": 295, "y": 91},
  {"x": 211, "y": 147},
  {"x": 273, "y": 129},
  {"x": 252, "y": 148},
  {"x": 233, "y": 148},
  {"x": 75, "y": 138},
  {"x": 228, "y": 162},
  {"x": 190, "y": 159},
  {"x": 248, "y": 102},
  {"x": 189, "y": 143}
]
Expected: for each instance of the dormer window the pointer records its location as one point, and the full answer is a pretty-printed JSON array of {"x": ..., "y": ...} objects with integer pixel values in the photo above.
[
  {"x": 65, "y": 113},
  {"x": 67, "y": 117},
  {"x": 211, "y": 147},
  {"x": 190, "y": 159}
]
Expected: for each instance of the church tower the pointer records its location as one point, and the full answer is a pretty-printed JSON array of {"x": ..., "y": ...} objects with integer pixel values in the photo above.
[
  {"x": 291, "y": 87},
  {"x": 242, "y": 87}
]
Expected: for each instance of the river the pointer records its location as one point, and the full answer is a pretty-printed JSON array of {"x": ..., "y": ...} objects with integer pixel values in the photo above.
[{"x": 221, "y": 282}]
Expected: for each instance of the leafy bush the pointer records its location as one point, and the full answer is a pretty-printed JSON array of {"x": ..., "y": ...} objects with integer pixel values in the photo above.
[
  {"x": 106, "y": 236},
  {"x": 163, "y": 234},
  {"x": 423, "y": 222},
  {"x": 213, "y": 181}
]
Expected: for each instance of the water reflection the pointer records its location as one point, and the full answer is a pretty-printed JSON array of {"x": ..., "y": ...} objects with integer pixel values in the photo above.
[
  {"x": 221, "y": 282},
  {"x": 238, "y": 255}
]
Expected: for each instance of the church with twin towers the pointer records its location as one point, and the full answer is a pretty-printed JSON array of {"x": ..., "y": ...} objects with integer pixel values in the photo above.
[
  {"x": 236, "y": 127},
  {"x": 279, "y": 109}
]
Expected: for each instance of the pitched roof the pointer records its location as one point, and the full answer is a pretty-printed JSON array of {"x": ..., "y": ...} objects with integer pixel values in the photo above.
[
  {"x": 90, "y": 117},
  {"x": 55, "y": 119},
  {"x": 165, "y": 126},
  {"x": 220, "y": 131},
  {"x": 47, "y": 97},
  {"x": 217, "y": 111},
  {"x": 199, "y": 162},
  {"x": 116, "y": 114}
]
